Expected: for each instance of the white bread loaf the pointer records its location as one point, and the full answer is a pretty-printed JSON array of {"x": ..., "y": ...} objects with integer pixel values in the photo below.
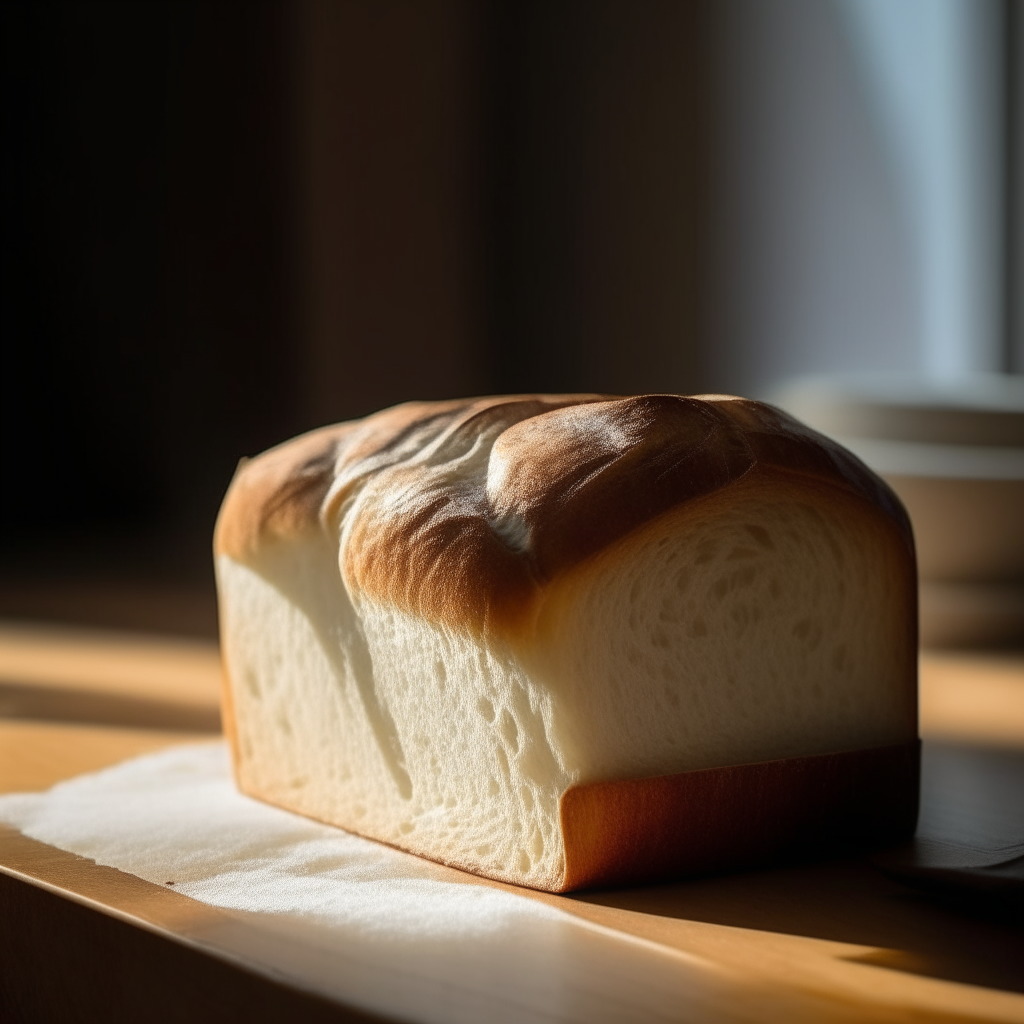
[{"x": 535, "y": 637}]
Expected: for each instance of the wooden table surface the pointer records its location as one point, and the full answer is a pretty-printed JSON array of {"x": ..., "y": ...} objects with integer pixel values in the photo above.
[{"x": 835, "y": 940}]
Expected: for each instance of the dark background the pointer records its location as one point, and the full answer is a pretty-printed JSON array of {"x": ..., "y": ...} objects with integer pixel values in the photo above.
[
  {"x": 225, "y": 223},
  {"x": 228, "y": 222}
]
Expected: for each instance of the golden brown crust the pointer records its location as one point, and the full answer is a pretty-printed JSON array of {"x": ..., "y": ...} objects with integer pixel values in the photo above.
[
  {"x": 646, "y": 830},
  {"x": 279, "y": 493},
  {"x": 461, "y": 511}
]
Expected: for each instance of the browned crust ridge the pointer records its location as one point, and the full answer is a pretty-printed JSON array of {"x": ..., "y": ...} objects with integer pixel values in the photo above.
[
  {"x": 715, "y": 819},
  {"x": 568, "y": 476}
]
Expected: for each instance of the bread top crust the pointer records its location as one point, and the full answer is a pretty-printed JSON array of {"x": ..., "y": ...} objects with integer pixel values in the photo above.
[{"x": 462, "y": 511}]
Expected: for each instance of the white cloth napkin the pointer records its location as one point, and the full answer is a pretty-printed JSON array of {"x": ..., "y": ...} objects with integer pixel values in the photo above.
[{"x": 357, "y": 921}]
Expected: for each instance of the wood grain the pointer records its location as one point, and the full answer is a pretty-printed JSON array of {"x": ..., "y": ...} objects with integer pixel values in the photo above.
[
  {"x": 88, "y": 675},
  {"x": 35, "y": 755},
  {"x": 974, "y": 697}
]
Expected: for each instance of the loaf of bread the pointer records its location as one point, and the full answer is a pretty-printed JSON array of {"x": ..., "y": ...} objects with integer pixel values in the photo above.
[{"x": 567, "y": 641}]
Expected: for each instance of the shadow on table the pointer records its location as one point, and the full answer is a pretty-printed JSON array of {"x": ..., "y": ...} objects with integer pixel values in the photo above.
[{"x": 972, "y": 808}]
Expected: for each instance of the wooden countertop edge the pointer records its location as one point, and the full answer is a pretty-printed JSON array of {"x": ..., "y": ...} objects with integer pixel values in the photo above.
[
  {"x": 109, "y": 891},
  {"x": 183, "y": 920},
  {"x": 159, "y": 911},
  {"x": 26, "y": 863}
]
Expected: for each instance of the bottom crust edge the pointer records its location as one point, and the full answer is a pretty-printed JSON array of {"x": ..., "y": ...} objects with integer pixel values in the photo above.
[{"x": 715, "y": 819}]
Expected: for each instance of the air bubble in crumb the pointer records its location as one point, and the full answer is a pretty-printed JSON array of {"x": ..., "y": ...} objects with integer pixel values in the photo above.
[
  {"x": 510, "y": 731},
  {"x": 538, "y": 844}
]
